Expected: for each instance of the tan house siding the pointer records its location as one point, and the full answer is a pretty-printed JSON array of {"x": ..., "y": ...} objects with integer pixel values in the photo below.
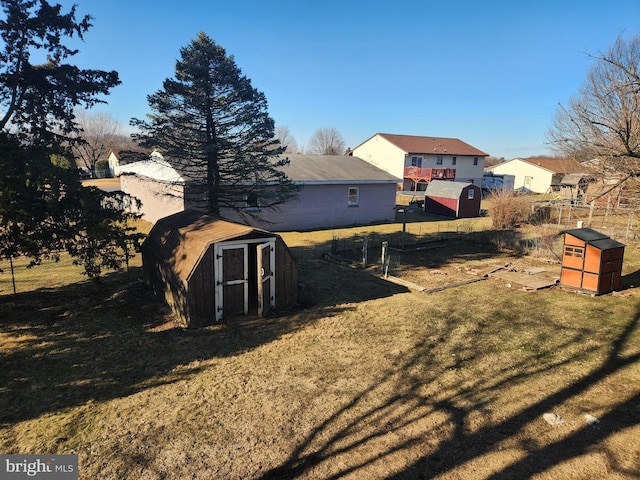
[
  {"x": 383, "y": 154},
  {"x": 158, "y": 199},
  {"x": 381, "y": 151}
]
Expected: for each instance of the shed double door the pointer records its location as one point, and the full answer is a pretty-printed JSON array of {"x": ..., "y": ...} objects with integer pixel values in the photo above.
[{"x": 245, "y": 276}]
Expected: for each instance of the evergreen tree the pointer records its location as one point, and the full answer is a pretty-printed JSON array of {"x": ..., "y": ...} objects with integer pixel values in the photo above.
[
  {"x": 213, "y": 127},
  {"x": 43, "y": 207}
]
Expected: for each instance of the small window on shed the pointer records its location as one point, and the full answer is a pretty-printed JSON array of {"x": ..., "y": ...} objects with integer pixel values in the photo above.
[
  {"x": 470, "y": 194},
  {"x": 353, "y": 197},
  {"x": 573, "y": 252}
]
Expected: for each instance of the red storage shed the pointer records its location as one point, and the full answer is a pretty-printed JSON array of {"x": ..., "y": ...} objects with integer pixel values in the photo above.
[
  {"x": 453, "y": 199},
  {"x": 591, "y": 261}
]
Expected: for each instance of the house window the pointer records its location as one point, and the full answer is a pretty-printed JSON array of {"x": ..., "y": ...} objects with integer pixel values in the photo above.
[
  {"x": 454, "y": 160},
  {"x": 251, "y": 201},
  {"x": 353, "y": 199},
  {"x": 475, "y": 160},
  {"x": 470, "y": 194},
  {"x": 439, "y": 160},
  {"x": 416, "y": 161}
]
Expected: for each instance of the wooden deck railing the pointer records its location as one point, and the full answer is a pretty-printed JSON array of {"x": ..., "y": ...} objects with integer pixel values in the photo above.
[{"x": 428, "y": 174}]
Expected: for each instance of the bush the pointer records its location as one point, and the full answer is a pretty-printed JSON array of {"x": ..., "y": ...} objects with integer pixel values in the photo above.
[
  {"x": 507, "y": 209},
  {"x": 102, "y": 169}
]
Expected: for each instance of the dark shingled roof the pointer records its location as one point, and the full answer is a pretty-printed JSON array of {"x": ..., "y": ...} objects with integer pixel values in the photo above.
[
  {"x": 334, "y": 169},
  {"x": 597, "y": 239},
  {"x": 306, "y": 169}
]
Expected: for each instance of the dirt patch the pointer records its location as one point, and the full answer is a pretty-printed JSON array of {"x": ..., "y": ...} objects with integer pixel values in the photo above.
[{"x": 441, "y": 264}]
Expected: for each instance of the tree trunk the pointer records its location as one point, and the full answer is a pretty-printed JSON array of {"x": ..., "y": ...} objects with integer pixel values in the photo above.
[{"x": 213, "y": 168}]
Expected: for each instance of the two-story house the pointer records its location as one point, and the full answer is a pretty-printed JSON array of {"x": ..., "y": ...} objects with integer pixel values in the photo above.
[{"x": 418, "y": 160}]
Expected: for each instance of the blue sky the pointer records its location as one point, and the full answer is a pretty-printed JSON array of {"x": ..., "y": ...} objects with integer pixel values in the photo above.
[{"x": 488, "y": 72}]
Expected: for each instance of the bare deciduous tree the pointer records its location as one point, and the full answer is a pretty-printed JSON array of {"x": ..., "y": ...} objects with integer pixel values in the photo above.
[
  {"x": 100, "y": 133},
  {"x": 286, "y": 139},
  {"x": 603, "y": 120},
  {"x": 327, "y": 141}
]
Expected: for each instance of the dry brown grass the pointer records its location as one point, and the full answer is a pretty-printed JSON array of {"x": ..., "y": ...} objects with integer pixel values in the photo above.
[{"x": 374, "y": 381}]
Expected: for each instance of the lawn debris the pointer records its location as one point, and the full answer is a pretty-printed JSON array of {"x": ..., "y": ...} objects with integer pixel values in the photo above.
[
  {"x": 591, "y": 420},
  {"x": 534, "y": 271},
  {"x": 623, "y": 293},
  {"x": 553, "y": 419},
  {"x": 437, "y": 272}
]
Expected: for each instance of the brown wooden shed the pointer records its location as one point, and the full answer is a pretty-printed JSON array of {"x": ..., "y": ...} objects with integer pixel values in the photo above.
[
  {"x": 591, "y": 261},
  {"x": 208, "y": 269}
]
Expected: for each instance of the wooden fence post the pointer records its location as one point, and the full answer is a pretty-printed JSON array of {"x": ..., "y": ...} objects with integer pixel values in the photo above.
[
  {"x": 384, "y": 260},
  {"x": 365, "y": 242}
]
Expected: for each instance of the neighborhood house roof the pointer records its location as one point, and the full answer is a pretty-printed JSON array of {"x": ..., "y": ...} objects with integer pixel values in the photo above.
[
  {"x": 306, "y": 169},
  {"x": 155, "y": 167},
  {"x": 557, "y": 165},
  {"x": 182, "y": 238},
  {"x": 334, "y": 169},
  {"x": 447, "y": 189},
  {"x": 130, "y": 156},
  {"x": 432, "y": 145}
]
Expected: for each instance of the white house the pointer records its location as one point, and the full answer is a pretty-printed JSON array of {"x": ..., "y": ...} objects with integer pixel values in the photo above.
[
  {"x": 540, "y": 174},
  {"x": 336, "y": 191},
  {"x": 154, "y": 182},
  {"x": 417, "y": 160},
  {"x": 119, "y": 158}
]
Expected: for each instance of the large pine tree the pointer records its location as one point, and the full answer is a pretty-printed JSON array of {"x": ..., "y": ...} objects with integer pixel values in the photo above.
[{"x": 213, "y": 127}]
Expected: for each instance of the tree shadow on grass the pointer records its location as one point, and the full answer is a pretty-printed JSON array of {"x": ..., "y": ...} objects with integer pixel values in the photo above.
[
  {"x": 63, "y": 347},
  {"x": 436, "y": 423},
  {"x": 630, "y": 280}
]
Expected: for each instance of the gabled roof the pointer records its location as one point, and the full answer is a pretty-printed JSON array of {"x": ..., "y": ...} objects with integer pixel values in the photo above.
[
  {"x": 431, "y": 145},
  {"x": 155, "y": 167},
  {"x": 447, "y": 189},
  {"x": 125, "y": 156},
  {"x": 305, "y": 169},
  {"x": 557, "y": 165},
  {"x": 331, "y": 169},
  {"x": 182, "y": 238}
]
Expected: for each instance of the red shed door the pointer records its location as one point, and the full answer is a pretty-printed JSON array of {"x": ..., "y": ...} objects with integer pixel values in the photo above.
[{"x": 266, "y": 277}]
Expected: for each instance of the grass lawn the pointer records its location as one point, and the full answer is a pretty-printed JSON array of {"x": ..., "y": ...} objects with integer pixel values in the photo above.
[{"x": 373, "y": 381}]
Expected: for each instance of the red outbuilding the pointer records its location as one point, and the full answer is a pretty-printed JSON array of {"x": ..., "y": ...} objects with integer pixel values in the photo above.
[{"x": 453, "y": 199}]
